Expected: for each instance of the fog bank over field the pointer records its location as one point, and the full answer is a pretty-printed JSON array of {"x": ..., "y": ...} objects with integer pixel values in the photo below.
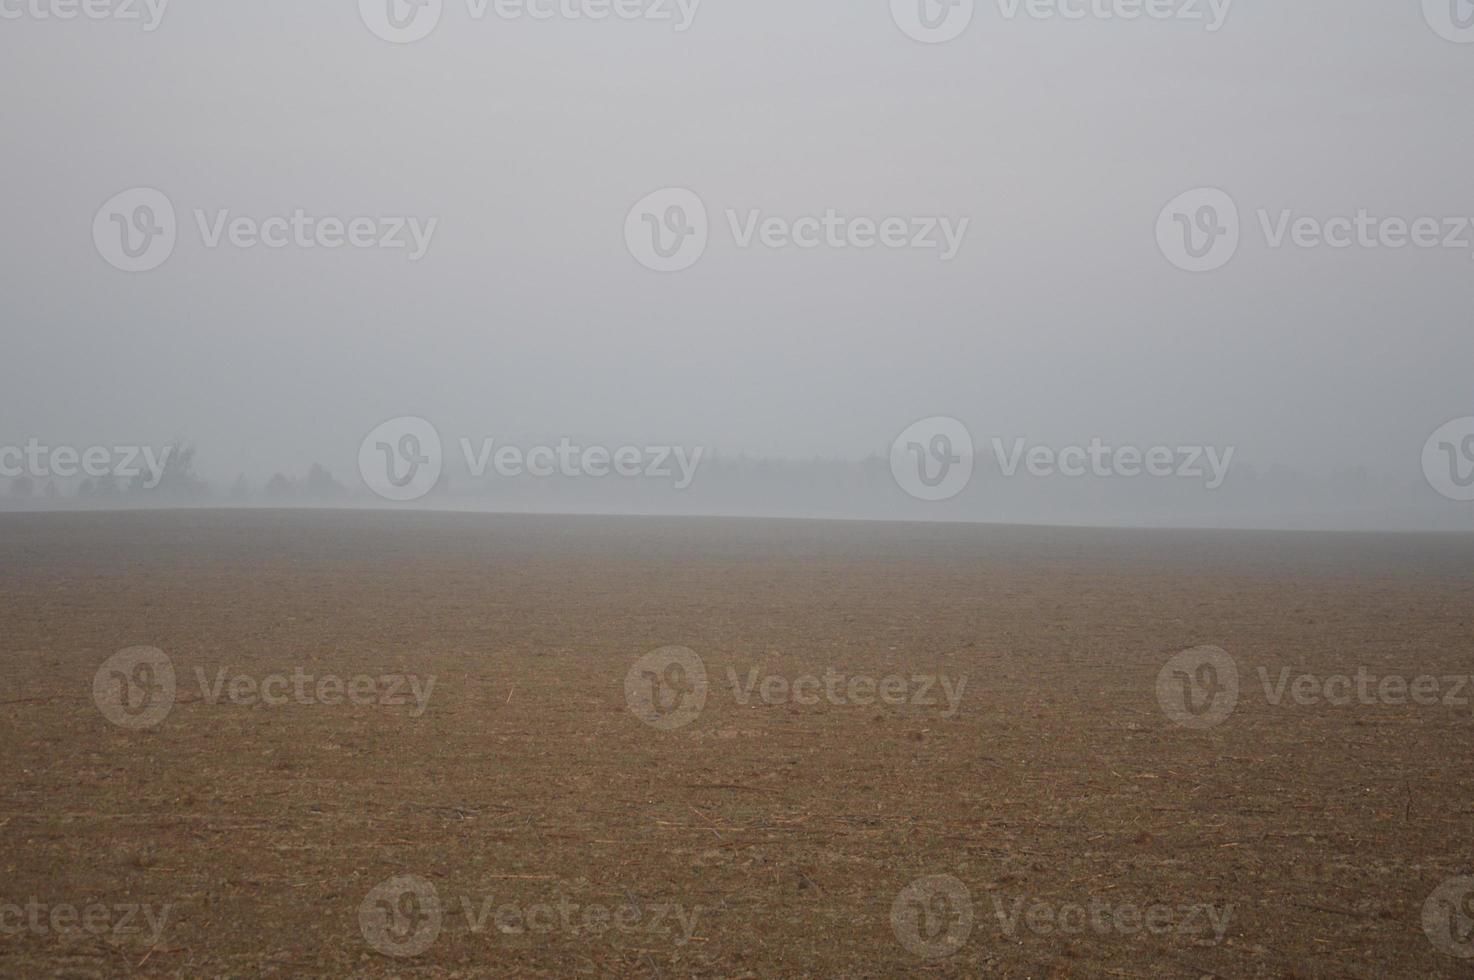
[
  {"x": 1216, "y": 490},
  {"x": 787, "y": 234}
]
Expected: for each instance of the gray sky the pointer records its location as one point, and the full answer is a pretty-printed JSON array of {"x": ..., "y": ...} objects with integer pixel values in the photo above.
[{"x": 1058, "y": 320}]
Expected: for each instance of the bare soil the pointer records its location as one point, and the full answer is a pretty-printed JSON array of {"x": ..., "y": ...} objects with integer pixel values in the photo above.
[{"x": 787, "y": 829}]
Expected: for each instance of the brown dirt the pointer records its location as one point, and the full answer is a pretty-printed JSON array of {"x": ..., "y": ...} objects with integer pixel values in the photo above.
[{"x": 793, "y": 828}]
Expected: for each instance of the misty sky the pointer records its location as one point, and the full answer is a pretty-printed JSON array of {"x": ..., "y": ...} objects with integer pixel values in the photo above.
[{"x": 530, "y": 141}]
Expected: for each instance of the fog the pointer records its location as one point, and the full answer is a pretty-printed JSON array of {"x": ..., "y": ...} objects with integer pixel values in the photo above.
[{"x": 989, "y": 242}]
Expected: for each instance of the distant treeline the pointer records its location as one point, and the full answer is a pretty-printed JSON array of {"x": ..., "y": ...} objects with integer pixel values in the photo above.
[{"x": 818, "y": 488}]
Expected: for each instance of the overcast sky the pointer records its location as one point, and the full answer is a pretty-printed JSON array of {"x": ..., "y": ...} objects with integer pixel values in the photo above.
[{"x": 1058, "y": 320}]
